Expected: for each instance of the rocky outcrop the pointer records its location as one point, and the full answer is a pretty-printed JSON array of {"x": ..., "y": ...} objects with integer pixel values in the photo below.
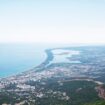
[{"x": 101, "y": 91}]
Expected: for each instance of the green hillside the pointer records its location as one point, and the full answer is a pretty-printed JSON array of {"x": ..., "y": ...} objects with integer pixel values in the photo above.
[{"x": 97, "y": 103}]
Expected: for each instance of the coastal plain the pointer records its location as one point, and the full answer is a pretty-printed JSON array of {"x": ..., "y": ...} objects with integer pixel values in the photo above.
[{"x": 68, "y": 76}]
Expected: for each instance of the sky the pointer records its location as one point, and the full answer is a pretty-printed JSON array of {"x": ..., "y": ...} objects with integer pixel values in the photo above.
[{"x": 52, "y": 21}]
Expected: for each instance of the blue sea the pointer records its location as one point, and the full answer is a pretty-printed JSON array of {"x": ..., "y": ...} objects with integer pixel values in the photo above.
[{"x": 16, "y": 58}]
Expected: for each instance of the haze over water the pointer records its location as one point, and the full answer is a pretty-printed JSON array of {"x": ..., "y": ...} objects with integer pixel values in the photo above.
[{"x": 56, "y": 21}]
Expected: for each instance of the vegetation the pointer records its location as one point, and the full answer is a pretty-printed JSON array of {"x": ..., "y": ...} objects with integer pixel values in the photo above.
[
  {"x": 77, "y": 92},
  {"x": 97, "y": 103}
]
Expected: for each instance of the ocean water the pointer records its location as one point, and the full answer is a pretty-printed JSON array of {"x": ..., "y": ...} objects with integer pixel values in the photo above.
[{"x": 16, "y": 58}]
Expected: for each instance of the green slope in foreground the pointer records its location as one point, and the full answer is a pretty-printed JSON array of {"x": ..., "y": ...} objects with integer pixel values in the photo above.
[{"x": 97, "y": 103}]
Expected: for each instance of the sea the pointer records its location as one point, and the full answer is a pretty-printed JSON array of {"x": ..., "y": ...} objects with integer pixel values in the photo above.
[{"x": 18, "y": 57}]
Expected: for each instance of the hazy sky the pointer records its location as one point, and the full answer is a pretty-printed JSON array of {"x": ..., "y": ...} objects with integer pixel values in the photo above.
[{"x": 61, "y": 21}]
